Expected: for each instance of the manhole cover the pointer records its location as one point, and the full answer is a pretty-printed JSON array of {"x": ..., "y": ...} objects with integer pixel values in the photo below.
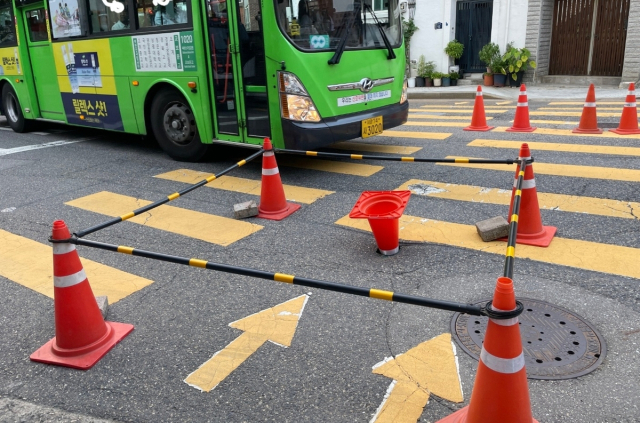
[{"x": 557, "y": 343}]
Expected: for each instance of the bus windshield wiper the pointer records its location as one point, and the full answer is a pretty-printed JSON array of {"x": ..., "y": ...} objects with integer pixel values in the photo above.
[
  {"x": 392, "y": 54},
  {"x": 343, "y": 41}
]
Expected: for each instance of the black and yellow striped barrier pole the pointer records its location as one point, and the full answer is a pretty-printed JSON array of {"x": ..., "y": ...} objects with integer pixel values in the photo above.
[
  {"x": 513, "y": 226},
  {"x": 165, "y": 200},
  {"x": 396, "y": 158},
  {"x": 291, "y": 279}
]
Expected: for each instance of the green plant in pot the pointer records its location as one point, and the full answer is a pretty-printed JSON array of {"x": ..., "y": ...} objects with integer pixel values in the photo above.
[
  {"x": 488, "y": 54},
  {"x": 499, "y": 74},
  {"x": 454, "y": 50},
  {"x": 428, "y": 70},
  {"x": 437, "y": 78},
  {"x": 454, "y": 78},
  {"x": 446, "y": 79},
  {"x": 421, "y": 71},
  {"x": 516, "y": 62}
]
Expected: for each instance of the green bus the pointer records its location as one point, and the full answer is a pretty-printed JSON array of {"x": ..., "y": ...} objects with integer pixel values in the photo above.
[{"x": 307, "y": 73}]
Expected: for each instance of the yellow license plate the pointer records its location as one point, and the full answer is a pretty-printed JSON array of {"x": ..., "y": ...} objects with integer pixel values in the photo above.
[{"x": 371, "y": 127}]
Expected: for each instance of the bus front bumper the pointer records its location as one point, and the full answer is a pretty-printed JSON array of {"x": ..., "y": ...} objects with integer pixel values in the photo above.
[{"x": 308, "y": 136}]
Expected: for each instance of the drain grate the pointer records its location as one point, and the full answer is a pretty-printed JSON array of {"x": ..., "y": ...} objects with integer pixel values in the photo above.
[{"x": 557, "y": 343}]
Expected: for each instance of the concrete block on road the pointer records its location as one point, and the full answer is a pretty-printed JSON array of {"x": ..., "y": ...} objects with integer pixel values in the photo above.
[
  {"x": 103, "y": 305},
  {"x": 492, "y": 229},
  {"x": 246, "y": 209}
]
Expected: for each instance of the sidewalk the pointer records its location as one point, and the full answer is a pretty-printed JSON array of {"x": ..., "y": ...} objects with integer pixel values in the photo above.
[{"x": 534, "y": 92}]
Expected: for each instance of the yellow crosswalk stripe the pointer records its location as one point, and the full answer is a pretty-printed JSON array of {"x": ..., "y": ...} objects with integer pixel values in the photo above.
[
  {"x": 559, "y": 109},
  {"x": 423, "y": 135},
  {"x": 554, "y": 122},
  {"x": 470, "y": 107},
  {"x": 574, "y": 171},
  {"x": 442, "y": 117},
  {"x": 206, "y": 227},
  {"x": 28, "y": 263},
  {"x": 345, "y": 168},
  {"x": 538, "y": 113},
  {"x": 246, "y": 186},
  {"x": 569, "y": 103},
  {"x": 469, "y": 111},
  {"x": 504, "y": 102},
  {"x": 606, "y": 258},
  {"x": 550, "y": 146},
  {"x": 439, "y": 124},
  {"x": 568, "y": 133},
  {"x": 547, "y": 201},
  {"x": 375, "y": 148}
]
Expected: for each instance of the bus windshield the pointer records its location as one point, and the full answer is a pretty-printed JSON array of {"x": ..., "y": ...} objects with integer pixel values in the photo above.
[{"x": 319, "y": 25}]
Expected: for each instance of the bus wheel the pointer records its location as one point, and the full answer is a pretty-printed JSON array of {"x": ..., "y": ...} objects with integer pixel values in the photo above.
[
  {"x": 174, "y": 127},
  {"x": 13, "y": 111}
]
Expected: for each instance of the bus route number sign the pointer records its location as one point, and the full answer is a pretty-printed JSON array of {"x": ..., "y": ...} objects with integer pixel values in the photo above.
[{"x": 371, "y": 127}]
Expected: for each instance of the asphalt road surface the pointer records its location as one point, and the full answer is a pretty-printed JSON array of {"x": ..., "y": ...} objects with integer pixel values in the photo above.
[{"x": 323, "y": 363}]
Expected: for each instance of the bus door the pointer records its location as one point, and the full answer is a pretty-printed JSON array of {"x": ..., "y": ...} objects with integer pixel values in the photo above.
[
  {"x": 238, "y": 71},
  {"x": 42, "y": 62}
]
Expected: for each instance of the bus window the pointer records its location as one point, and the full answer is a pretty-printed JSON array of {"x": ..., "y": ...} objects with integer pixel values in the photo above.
[
  {"x": 37, "y": 25},
  {"x": 103, "y": 19},
  {"x": 7, "y": 29},
  {"x": 173, "y": 13},
  {"x": 321, "y": 24}
]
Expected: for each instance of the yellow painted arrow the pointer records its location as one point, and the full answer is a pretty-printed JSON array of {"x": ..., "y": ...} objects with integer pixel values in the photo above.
[
  {"x": 429, "y": 368},
  {"x": 277, "y": 324}
]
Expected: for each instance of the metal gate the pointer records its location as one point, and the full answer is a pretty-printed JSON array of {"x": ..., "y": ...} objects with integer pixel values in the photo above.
[
  {"x": 473, "y": 30},
  {"x": 588, "y": 37}
]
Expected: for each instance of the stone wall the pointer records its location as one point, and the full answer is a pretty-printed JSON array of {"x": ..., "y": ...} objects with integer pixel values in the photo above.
[{"x": 631, "y": 66}]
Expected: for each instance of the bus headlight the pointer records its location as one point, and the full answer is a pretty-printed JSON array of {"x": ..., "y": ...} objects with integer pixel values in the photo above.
[
  {"x": 403, "y": 97},
  {"x": 295, "y": 103}
]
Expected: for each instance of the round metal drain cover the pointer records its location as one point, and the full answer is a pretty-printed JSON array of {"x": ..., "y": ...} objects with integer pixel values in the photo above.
[{"x": 557, "y": 343}]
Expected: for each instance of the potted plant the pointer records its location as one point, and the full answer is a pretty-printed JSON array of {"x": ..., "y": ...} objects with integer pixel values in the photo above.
[
  {"x": 421, "y": 71},
  {"x": 408, "y": 29},
  {"x": 516, "y": 62},
  {"x": 429, "y": 68},
  {"x": 437, "y": 79},
  {"x": 446, "y": 79},
  {"x": 499, "y": 76},
  {"x": 488, "y": 54},
  {"x": 488, "y": 79},
  {"x": 454, "y": 78},
  {"x": 454, "y": 50}
]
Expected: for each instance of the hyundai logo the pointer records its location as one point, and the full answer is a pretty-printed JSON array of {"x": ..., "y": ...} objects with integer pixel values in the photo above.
[{"x": 366, "y": 85}]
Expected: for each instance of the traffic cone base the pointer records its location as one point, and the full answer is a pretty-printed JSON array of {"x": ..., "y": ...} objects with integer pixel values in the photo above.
[
  {"x": 541, "y": 239},
  {"x": 529, "y": 129},
  {"x": 587, "y": 131},
  {"x": 460, "y": 416},
  {"x": 280, "y": 214},
  {"x": 478, "y": 128},
  {"x": 383, "y": 210},
  {"x": 273, "y": 204},
  {"x": 82, "y": 358},
  {"x": 625, "y": 131}
]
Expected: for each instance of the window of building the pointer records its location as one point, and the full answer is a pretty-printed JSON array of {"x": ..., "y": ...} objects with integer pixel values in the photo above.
[
  {"x": 7, "y": 29},
  {"x": 174, "y": 13},
  {"x": 103, "y": 18},
  {"x": 37, "y": 25}
]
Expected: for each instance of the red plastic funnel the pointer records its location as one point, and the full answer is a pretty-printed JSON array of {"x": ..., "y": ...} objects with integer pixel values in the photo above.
[{"x": 383, "y": 210}]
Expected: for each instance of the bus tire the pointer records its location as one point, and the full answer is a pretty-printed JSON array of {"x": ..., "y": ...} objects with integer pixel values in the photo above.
[
  {"x": 13, "y": 111},
  {"x": 174, "y": 127}
]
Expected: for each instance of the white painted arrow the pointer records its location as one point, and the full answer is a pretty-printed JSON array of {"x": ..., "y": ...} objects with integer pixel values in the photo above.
[
  {"x": 430, "y": 367},
  {"x": 277, "y": 324}
]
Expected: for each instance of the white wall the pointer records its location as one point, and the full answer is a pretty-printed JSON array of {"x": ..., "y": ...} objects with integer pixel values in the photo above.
[
  {"x": 509, "y": 23},
  {"x": 429, "y": 41}
]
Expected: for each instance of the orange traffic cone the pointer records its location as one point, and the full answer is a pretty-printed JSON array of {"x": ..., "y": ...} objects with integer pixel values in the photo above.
[
  {"x": 383, "y": 210},
  {"x": 273, "y": 204},
  {"x": 521, "y": 121},
  {"x": 500, "y": 392},
  {"x": 589, "y": 120},
  {"x": 478, "y": 119},
  {"x": 82, "y": 336},
  {"x": 530, "y": 229},
  {"x": 629, "y": 119}
]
